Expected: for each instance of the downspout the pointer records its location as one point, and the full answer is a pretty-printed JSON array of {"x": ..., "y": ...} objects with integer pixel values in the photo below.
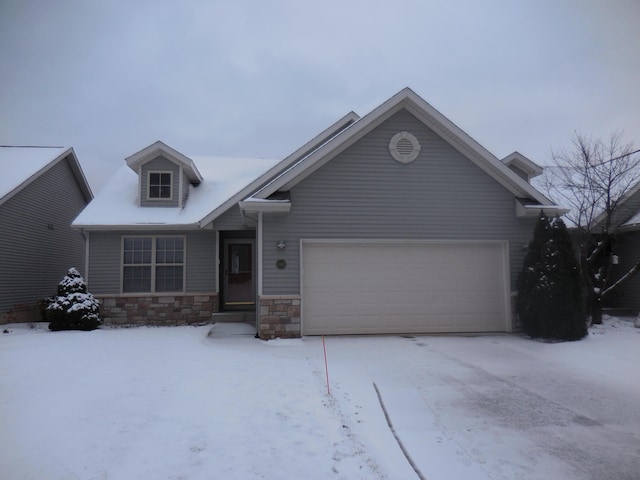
[
  {"x": 86, "y": 236},
  {"x": 258, "y": 270},
  {"x": 218, "y": 263}
]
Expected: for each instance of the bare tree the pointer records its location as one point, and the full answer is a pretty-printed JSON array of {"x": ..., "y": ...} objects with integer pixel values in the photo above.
[{"x": 594, "y": 179}]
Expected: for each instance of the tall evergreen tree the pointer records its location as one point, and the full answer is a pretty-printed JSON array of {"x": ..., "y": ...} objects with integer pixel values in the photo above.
[{"x": 550, "y": 300}]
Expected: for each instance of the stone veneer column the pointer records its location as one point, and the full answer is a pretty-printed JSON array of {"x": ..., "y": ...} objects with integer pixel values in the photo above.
[{"x": 279, "y": 317}]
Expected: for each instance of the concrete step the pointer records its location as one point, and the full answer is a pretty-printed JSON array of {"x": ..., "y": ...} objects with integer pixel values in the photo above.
[
  {"x": 231, "y": 317},
  {"x": 231, "y": 329}
]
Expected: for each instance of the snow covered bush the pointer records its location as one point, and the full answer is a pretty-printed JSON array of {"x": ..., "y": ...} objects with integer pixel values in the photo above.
[
  {"x": 73, "y": 308},
  {"x": 550, "y": 301}
]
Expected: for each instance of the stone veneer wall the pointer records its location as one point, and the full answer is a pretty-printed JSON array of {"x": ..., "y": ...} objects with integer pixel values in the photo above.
[
  {"x": 279, "y": 317},
  {"x": 158, "y": 310},
  {"x": 22, "y": 314}
]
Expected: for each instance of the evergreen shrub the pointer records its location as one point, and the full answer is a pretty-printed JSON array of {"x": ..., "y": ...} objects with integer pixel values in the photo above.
[{"x": 73, "y": 308}]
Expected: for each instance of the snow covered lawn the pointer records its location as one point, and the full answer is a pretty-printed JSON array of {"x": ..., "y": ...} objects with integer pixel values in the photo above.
[{"x": 175, "y": 403}]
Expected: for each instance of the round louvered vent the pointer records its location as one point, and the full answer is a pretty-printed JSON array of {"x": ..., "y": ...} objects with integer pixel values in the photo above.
[{"x": 404, "y": 147}]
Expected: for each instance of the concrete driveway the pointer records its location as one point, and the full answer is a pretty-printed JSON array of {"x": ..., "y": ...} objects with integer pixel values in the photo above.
[{"x": 495, "y": 407}]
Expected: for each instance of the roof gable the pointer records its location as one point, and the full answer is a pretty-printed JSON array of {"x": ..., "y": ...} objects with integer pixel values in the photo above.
[
  {"x": 433, "y": 119},
  {"x": 159, "y": 148},
  {"x": 518, "y": 160},
  {"x": 29, "y": 163}
]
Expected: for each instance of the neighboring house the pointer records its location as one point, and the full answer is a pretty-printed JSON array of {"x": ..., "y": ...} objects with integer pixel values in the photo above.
[
  {"x": 396, "y": 222},
  {"x": 42, "y": 189},
  {"x": 626, "y": 230}
]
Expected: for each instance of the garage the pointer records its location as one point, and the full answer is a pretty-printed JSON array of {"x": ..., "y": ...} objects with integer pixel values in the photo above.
[{"x": 360, "y": 287}]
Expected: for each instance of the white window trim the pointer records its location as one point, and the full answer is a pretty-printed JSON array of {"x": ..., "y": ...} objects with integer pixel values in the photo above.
[
  {"x": 171, "y": 186},
  {"x": 153, "y": 265}
]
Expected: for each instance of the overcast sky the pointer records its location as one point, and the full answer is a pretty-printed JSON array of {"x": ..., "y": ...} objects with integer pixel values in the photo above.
[{"x": 259, "y": 78}]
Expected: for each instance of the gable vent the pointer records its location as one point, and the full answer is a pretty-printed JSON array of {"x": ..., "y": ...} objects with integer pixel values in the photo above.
[{"x": 404, "y": 147}]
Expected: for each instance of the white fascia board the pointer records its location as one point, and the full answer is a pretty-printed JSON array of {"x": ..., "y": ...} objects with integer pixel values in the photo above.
[
  {"x": 137, "y": 227},
  {"x": 627, "y": 227},
  {"x": 259, "y": 205},
  {"x": 528, "y": 211},
  {"x": 291, "y": 159}
]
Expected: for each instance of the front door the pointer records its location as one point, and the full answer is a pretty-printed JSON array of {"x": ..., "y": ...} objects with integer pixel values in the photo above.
[{"x": 239, "y": 281}]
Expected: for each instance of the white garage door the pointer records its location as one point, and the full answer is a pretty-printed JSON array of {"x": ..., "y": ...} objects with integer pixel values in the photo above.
[{"x": 380, "y": 287}]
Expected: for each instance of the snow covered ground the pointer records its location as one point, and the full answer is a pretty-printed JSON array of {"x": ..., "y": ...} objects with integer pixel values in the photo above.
[{"x": 177, "y": 403}]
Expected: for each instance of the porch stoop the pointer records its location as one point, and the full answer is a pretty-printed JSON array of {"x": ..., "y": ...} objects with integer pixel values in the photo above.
[{"x": 234, "y": 317}]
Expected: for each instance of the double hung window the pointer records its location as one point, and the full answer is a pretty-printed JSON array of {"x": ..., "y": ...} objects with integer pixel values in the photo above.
[
  {"x": 160, "y": 186},
  {"x": 153, "y": 264}
]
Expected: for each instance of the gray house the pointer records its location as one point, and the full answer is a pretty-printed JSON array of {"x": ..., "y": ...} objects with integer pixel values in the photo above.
[
  {"x": 42, "y": 189},
  {"x": 626, "y": 252},
  {"x": 396, "y": 222}
]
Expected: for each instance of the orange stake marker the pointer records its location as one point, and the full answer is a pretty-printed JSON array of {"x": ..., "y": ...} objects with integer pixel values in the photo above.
[{"x": 326, "y": 368}]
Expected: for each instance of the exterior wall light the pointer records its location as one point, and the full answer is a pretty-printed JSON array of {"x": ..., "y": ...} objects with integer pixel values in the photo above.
[{"x": 281, "y": 245}]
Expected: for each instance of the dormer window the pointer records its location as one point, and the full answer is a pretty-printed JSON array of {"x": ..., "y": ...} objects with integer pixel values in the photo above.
[
  {"x": 160, "y": 186},
  {"x": 164, "y": 176}
]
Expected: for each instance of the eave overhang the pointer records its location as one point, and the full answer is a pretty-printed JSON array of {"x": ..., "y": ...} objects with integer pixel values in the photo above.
[
  {"x": 531, "y": 168},
  {"x": 138, "y": 227}
]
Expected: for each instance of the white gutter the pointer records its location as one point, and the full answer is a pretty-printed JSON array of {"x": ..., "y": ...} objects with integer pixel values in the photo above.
[
  {"x": 532, "y": 210},
  {"x": 258, "y": 205}
]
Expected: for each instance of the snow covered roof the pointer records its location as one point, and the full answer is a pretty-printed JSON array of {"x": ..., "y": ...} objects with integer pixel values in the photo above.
[
  {"x": 224, "y": 182},
  {"x": 251, "y": 182},
  {"x": 117, "y": 203},
  {"x": 22, "y": 165}
]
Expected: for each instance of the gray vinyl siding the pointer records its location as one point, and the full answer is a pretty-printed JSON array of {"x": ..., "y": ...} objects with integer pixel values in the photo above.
[
  {"x": 103, "y": 271},
  {"x": 185, "y": 188},
  {"x": 365, "y": 193},
  {"x": 626, "y": 297},
  {"x": 626, "y": 209},
  {"x": 202, "y": 262},
  {"x": 38, "y": 244},
  {"x": 160, "y": 164},
  {"x": 105, "y": 257},
  {"x": 231, "y": 220}
]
